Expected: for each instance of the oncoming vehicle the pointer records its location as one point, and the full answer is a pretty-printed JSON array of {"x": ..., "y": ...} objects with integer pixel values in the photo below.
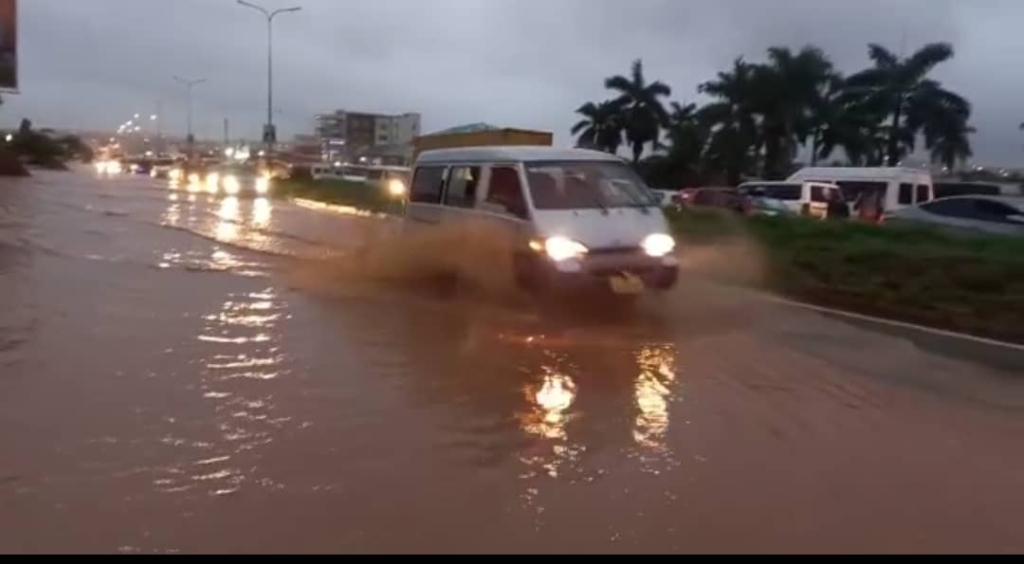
[
  {"x": 162, "y": 168},
  {"x": 234, "y": 180},
  {"x": 1001, "y": 215},
  {"x": 820, "y": 200},
  {"x": 874, "y": 191},
  {"x": 576, "y": 218}
]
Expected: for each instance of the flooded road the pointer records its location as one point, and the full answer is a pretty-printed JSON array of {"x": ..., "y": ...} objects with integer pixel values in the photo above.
[{"x": 181, "y": 372}]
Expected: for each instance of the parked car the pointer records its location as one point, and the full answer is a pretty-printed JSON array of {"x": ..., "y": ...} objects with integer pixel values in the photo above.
[
  {"x": 950, "y": 189},
  {"x": 710, "y": 197},
  {"x": 665, "y": 198},
  {"x": 1001, "y": 215}
]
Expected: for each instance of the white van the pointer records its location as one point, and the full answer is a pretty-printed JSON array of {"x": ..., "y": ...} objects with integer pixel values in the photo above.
[
  {"x": 792, "y": 198},
  {"x": 874, "y": 191},
  {"x": 576, "y": 217}
]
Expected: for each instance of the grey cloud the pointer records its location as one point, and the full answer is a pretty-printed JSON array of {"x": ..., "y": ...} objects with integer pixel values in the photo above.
[{"x": 90, "y": 63}]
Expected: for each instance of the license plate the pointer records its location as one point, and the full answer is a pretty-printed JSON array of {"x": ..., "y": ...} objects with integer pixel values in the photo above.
[{"x": 626, "y": 283}]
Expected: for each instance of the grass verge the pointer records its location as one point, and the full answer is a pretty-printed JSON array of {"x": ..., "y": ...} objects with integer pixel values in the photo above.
[{"x": 972, "y": 284}]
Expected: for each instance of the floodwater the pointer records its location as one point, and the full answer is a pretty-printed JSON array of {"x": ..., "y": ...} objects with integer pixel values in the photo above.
[{"x": 182, "y": 372}]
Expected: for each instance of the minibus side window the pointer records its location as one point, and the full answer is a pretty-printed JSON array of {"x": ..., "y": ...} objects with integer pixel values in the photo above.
[
  {"x": 906, "y": 194},
  {"x": 427, "y": 185},
  {"x": 462, "y": 184},
  {"x": 506, "y": 191},
  {"x": 923, "y": 194}
]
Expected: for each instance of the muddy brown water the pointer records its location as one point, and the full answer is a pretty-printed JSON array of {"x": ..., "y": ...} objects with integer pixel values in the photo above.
[{"x": 182, "y": 372}]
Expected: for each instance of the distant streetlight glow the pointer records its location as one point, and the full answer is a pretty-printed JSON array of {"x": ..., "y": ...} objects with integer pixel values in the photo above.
[
  {"x": 152, "y": 117},
  {"x": 9, "y": 138}
]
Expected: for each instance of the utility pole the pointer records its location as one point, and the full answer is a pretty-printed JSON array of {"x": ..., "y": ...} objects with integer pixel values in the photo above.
[
  {"x": 159, "y": 126},
  {"x": 269, "y": 132},
  {"x": 190, "y": 140},
  {"x": 227, "y": 137}
]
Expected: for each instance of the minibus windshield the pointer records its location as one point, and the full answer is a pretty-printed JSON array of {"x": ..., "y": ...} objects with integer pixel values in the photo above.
[{"x": 569, "y": 185}]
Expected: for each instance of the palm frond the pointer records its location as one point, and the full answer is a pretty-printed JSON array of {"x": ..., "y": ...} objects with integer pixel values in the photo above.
[{"x": 883, "y": 58}]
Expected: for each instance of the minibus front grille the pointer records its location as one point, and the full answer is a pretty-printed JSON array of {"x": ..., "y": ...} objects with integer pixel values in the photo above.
[{"x": 614, "y": 251}]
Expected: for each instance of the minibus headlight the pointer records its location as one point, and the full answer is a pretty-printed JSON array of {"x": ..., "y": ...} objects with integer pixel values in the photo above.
[
  {"x": 396, "y": 188},
  {"x": 658, "y": 244},
  {"x": 562, "y": 248}
]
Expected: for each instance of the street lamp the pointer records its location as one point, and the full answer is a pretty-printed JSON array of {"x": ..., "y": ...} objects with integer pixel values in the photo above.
[
  {"x": 269, "y": 133},
  {"x": 190, "y": 140}
]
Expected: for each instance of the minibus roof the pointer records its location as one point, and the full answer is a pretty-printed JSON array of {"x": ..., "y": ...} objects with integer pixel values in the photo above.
[{"x": 513, "y": 153}]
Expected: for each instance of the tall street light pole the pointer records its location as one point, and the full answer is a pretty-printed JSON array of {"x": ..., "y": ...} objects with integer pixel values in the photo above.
[
  {"x": 269, "y": 133},
  {"x": 190, "y": 140}
]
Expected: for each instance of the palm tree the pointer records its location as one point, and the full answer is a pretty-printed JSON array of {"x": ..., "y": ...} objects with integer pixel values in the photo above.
[
  {"x": 686, "y": 139},
  {"x": 685, "y": 134},
  {"x": 787, "y": 88},
  {"x": 641, "y": 105},
  {"x": 898, "y": 89},
  {"x": 601, "y": 127},
  {"x": 947, "y": 136},
  {"x": 952, "y": 145},
  {"x": 840, "y": 121},
  {"x": 733, "y": 144}
]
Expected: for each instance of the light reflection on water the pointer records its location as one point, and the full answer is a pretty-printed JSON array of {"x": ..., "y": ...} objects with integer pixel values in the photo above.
[
  {"x": 230, "y": 226},
  {"x": 653, "y": 389},
  {"x": 559, "y": 425},
  {"x": 550, "y": 401},
  {"x": 261, "y": 213},
  {"x": 242, "y": 338},
  {"x": 227, "y": 227}
]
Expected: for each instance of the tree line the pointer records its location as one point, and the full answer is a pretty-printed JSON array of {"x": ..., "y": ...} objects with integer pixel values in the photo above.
[{"x": 761, "y": 114}]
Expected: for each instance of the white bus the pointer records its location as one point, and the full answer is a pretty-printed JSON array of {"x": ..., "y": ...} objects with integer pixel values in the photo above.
[{"x": 874, "y": 191}]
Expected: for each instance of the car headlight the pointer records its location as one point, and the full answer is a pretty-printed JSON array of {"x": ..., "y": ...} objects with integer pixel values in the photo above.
[
  {"x": 231, "y": 185},
  {"x": 175, "y": 174},
  {"x": 658, "y": 244},
  {"x": 263, "y": 185},
  {"x": 562, "y": 248}
]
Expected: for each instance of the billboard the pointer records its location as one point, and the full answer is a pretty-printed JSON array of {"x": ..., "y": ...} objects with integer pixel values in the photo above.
[{"x": 9, "y": 44}]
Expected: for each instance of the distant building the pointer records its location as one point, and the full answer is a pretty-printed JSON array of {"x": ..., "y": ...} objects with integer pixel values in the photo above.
[{"x": 351, "y": 136}]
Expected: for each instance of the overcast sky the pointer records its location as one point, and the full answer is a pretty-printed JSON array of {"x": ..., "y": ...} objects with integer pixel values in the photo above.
[{"x": 522, "y": 63}]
